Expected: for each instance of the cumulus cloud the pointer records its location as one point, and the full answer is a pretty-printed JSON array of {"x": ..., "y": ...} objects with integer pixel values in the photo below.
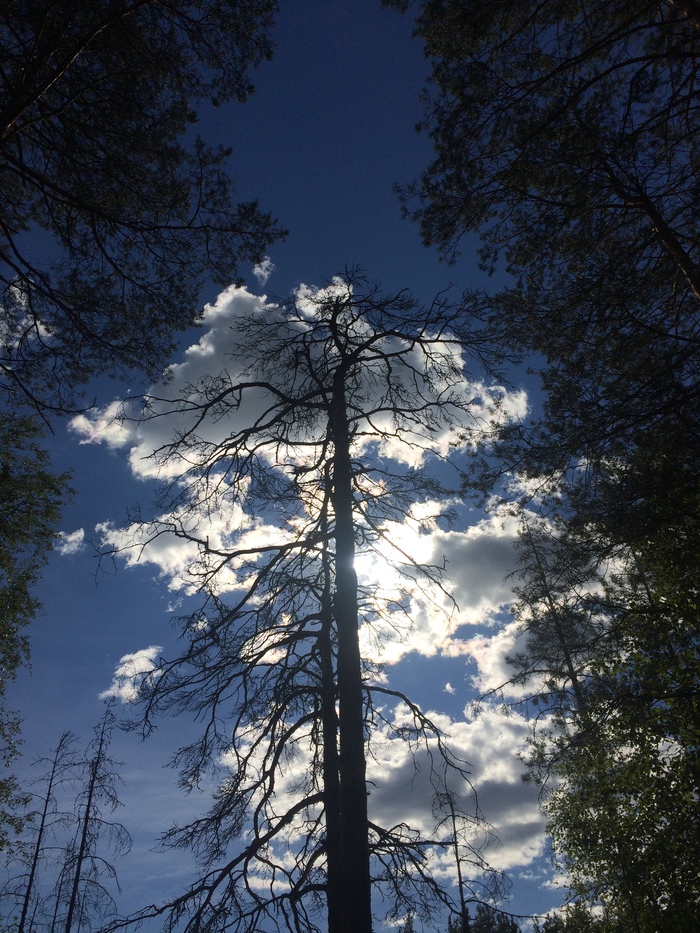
[
  {"x": 490, "y": 744},
  {"x": 493, "y": 741},
  {"x": 476, "y": 558},
  {"x": 481, "y": 560},
  {"x": 473, "y": 567},
  {"x": 403, "y": 776},
  {"x": 186, "y": 545},
  {"x": 129, "y": 674},
  {"x": 143, "y": 432},
  {"x": 490, "y": 652},
  {"x": 263, "y": 271},
  {"x": 217, "y": 362},
  {"x": 105, "y": 426},
  {"x": 411, "y": 613},
  {"x": 504, "y": 821},
  {"x": 459, "y": 614},
  {"x": 71, "y": 542}
]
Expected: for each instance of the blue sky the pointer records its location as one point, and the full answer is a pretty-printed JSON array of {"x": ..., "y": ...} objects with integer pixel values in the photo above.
[{"x": 321, "y": 144}]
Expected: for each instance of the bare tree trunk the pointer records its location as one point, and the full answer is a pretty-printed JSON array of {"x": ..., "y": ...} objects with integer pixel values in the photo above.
[
  {"x": 331, "y": 777},
  {"x": 464, "y": 910},
  {"x": 95, "y": 767},
  {"x": 356, "y": 901},
  {"x": 57, "y": 765}
]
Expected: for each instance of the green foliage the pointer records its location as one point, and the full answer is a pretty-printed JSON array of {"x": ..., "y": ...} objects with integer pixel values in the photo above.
[
  {"x": 485, "y": 920},
  {"x": 566, "y": 135},
  {"x": 576, "y": 918},
  {"x": 611, "y": 643},
  {"x": 627, "y": 816},
  {"x": 609, "y": 603},
  {"x": 31, "y": 497},
  {"x": 114, "y": 214},
  {"x": 488, "y": 920}
]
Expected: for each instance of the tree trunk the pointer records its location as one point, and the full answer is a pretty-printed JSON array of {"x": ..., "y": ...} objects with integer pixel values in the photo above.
[
  {"x": 354, "y": 847},
  {"x": 331, "y": 777},
  {"x": 56, "y": 766},
  {"x": 95, "y": 766}
]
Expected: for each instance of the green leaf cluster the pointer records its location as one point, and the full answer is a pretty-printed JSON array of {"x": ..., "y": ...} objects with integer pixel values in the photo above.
[
  {"x": 566, "y": 136},
  {"x": 114, "y": 212},
  {"x": 31, "y": 496}
]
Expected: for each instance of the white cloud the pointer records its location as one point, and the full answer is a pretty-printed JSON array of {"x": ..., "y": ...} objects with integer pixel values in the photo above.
[
  {"x": 308, "y": 297},
  {"x": 120, "y": 424},
  {"x": 71, "y": 542},
  {"x": 129, "y": 674},
  {"x": 189, "y": 545},
  {"x": 402, "y": 779},
  {"x": 402, "y": 790},
  {"x": 477, "y": 560},
  {"x": 105, "y": 425},
  {"x": 490, "y": 653},
  {"x": 216, "y": 362},
  {"x": 479, "y": 563},
  {"x": 476, "y": 587},
  {"x": 263, "y": 271}
]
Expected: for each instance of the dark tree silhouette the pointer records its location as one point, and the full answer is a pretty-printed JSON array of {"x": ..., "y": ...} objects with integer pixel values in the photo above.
[
  {"x": 22, "y": 888},
  {"x": 58, "y": 879},
  {"x": 566, "y": 137},
  {"x": 83, "y": 869},
  {"x": 332, "y": 421},
  {"x": 113, "y": 216},
  {"x": 31, "y": 496},
  {"x": 111, "y": 222}
]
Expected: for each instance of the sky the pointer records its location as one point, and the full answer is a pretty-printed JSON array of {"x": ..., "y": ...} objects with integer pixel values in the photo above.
[{"x": 322, "y": 143}]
